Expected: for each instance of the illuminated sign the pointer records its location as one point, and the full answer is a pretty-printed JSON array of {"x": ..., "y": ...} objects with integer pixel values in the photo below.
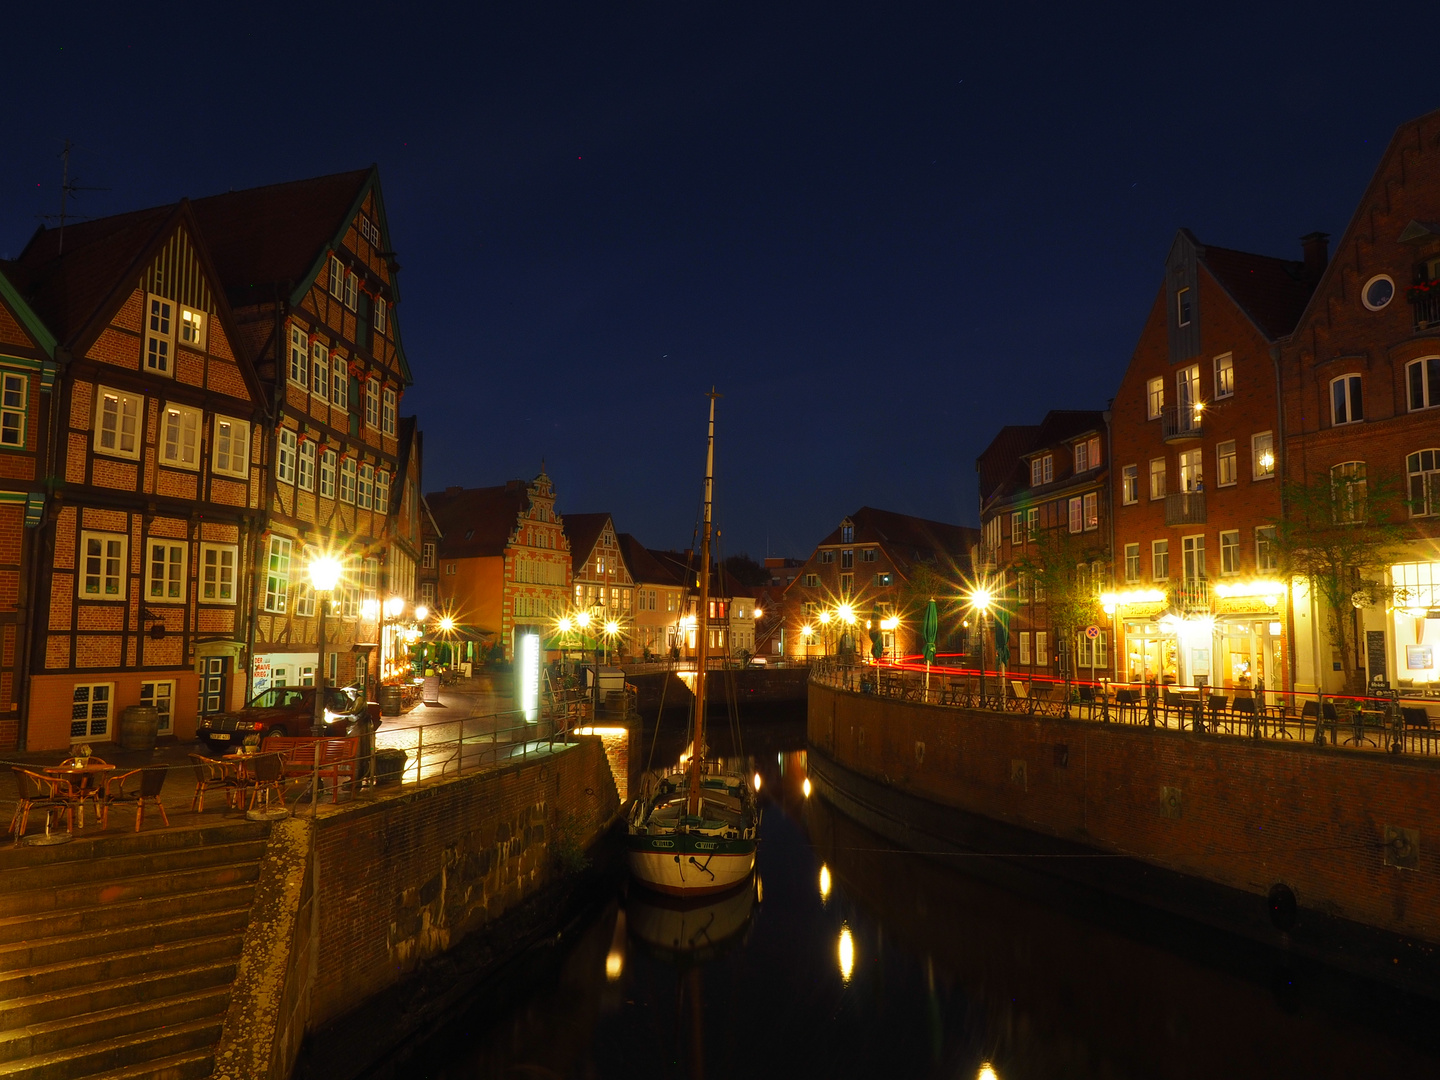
[{"x": 530, "y": 677}]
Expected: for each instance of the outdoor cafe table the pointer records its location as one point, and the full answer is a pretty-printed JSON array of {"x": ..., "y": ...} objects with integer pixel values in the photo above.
[{"x": 87, "y": 777}]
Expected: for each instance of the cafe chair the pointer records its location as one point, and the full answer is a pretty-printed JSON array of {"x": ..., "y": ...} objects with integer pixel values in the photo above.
[
  {"x": 1418, "y": 726},
  {"x": 213, "y": 775},
  {"x": 152, "y": 779},
  {"x": 39, "y": 792},
  {"x": 266, "y": 774}
]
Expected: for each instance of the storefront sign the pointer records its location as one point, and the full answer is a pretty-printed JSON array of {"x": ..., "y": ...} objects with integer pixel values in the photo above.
[
  {"x": 1419, "y": 657},
  {"x": 1375, "y": 655}
]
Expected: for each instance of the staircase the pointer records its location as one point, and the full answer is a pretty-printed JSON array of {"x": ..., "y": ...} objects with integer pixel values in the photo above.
[{"x": 117, "y": 954}]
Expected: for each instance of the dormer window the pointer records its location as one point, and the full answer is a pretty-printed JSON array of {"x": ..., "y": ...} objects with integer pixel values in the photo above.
[
  {"x": 1042, "y": 470},
  {"x": 847, "y": 532},
  {"x": 1182, "y": 307},
  {"x": 1087, "y": 454}
]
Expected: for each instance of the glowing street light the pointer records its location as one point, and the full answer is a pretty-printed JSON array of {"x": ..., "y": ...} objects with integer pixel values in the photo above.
[
  {"x": 421, "y": 612},
  {"x": 980, "y": 601},
  {"x": 447, "y": 624},
  {"x": 324, "y": 571}
]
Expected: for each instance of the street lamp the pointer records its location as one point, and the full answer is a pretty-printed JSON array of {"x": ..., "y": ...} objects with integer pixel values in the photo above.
[
  {"x": 324, "y": 576},
  {"x": 612, "y": 628},
  {"x": 825, "y": 630},
  {"x": 893, "y": 625},
  {"x": 980, "y": 600}
]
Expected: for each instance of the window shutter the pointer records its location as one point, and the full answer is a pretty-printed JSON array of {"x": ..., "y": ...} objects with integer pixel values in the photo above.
[
  {"x": 363, "y": 322},
  {"x": 355, "y": 405}
]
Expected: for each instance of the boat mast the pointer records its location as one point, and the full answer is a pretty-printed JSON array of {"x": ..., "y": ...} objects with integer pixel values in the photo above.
[{"x": 702, "y": 621}]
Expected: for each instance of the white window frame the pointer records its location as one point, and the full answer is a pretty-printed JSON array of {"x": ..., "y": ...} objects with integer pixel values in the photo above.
[
  {"x": 305, "y": 465},
  {"x": 1159, "y": 555},
  {"x": 213, "y": 572},
  {"x": 107, "y": 713},
  {"x": 1191, "y": 466},
  {"x": 230, "y": 455},
  {"x": 428, "y": 560},
  {"x": 287, "y": 449},
  {"x": 1344, "y": 389},
  {"x": 1082, "y": 455},
  {"x": 1350, "y": 478},
  {"x": 1132, "y": 562},
  {"x": 1047, "y": 468},
  {"x": 1025, "y": 647},
  {"x": 1229, "y": 552},
  {"x": 159, "y": 694},
  {"x": 1032, "y": 523},
  {"x": 364, "y": 486},
  {"x": 347, "y": 480},
  {"x": 1422, "y": 482},
  {"x": 389, "y": 404},
  {"x": 1042, "y": 648},
  {"x": 1225, "y": 375},
  {"x": 299, "y": 372},
  {"x": 339, "y": 383},
  {"x": 173, "y": 576},
  {"x": 1183, "y": 312},
  {"x": 1154, "y": 398},
  {"x": 337, "y": 278},
  {"x": 14, "y": 408},
  {"x": 1429, "y": 369},
  {"x": 192, "y": 328},
  {"x": 180, "y": 427},
  {"x": 1017, "y": 527},
  {"x": 1076, "y": 514},
  {"x": 1267, "y": 557},
  {"x": 1227, "y": 464},
  {"x": 1260, "y": 444},
  {"x": 121, "y": 565},
  {"x": 372, "y": 403},
  {"x": 320, "y": 370},
  {"x": 1035, "y": 472},
  {"x": 1130, "y": 485},
  {"x": 352, "y": 290},
  {"x": 1092, "y": 510},
  {"x": 382, "y": 491},
  {"x": 382, "y": 315},
  {"x": 304, "y": 600},
  {"x": 159, "y": 354},
  {"x": 329, "y": 465},
  {"x": 278, "y": 555},
  {"x": 128, "y": 407},
  {"x": 1192, "y": 557},
  {"x": 1157, "y": 489}
]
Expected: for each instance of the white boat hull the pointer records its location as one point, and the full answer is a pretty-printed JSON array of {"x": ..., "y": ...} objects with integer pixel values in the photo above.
[{"x": 683, "y": 871}]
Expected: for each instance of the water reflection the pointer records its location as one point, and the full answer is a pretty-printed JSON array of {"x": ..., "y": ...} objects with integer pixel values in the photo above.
[{"x": 898, "y": 966}]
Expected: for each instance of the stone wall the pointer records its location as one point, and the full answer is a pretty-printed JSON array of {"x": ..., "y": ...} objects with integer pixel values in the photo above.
[{"x": 1248, "y": 815}]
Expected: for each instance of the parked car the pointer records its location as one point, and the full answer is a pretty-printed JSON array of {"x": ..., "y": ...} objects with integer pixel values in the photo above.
[{"x": 286, "y": 710}]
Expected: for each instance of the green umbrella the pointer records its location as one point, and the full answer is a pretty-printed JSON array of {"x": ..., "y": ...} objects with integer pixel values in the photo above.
[{"x": 930, "y": 629}]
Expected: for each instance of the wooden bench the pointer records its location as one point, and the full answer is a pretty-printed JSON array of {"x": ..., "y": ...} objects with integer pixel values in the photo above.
[{"x": 338, "y": 758}]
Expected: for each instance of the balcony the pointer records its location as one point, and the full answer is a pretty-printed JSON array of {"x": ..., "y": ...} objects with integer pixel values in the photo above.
[
  {"x": 1181, "y": 423},
  {"x": 1191, "y": 597},
  {"x": 1185, "y": 508},
  {"x": 1427, "y": 308}
]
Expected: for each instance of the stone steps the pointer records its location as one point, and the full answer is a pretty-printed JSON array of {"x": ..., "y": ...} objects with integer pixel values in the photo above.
[{"x": 118, "y": 953}]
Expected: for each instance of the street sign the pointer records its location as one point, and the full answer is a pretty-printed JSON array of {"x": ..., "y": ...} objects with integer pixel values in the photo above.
[{"x": 1092, "y": 632}]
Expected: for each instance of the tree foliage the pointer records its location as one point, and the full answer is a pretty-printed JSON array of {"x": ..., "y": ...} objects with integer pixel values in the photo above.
[
  {"x": 1338, "y": 534},
  {"x": 746, "y": 570}
]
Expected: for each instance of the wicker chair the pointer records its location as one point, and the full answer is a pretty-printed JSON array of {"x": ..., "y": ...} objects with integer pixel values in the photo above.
[
  {"x": 211, "y": 774},
  {"x": 152, "y": 779},
  {"x": 266, "y": 774},
  {"x": 40, "y": 792}
]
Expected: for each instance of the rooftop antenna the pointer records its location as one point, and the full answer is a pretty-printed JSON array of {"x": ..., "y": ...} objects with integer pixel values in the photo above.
[{"x": 68, "y": 188}]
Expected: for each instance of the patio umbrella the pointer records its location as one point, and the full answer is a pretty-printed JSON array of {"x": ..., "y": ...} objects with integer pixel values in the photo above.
[
  {"x": 1002, "y": 637},
  {"x": 877, "y": 636},
  {"x": 930, "y": 628}
]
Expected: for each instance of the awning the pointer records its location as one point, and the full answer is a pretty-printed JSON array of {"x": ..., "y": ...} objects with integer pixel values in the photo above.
[
  {"x": 570, "y": 641},
  {"x": 458, "y": 632}
]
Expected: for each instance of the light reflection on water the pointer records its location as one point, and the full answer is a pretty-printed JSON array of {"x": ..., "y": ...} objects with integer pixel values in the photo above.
[{"x": 897, "y": 966}]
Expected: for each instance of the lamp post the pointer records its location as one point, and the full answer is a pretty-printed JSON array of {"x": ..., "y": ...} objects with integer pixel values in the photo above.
[
  {"x": 980, "y": 601},
  {"x": 421, "y": 614},
  {"x": 893, "y": 625},
  {"x": 825, "y": 631},
  {"x": 612, "y": 628},
  {"x": 324, "y": 576}
]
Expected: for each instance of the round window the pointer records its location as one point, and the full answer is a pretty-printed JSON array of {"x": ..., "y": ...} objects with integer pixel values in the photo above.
[{"x": 1378, "y": 292}]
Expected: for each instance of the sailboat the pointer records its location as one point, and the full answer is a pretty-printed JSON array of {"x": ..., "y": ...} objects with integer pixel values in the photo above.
[{"x": 692, "y": 831}]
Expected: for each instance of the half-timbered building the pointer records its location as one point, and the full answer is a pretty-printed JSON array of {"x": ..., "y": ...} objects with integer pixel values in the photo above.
[{"x": 157, "y": 478}]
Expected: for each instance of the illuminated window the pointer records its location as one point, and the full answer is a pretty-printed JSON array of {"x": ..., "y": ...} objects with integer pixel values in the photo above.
[
  {"x": 192, "y": 327},
  {"x": 320, "y": 367},
  {"x": 327, "y": 473},
  {"x": 1092, "y": 511},
  {"x": 347, "y": 480},
  {"x": 1024, "y": 646},
  {"x": 1042, "y": 648},
  {"x": 277, "y": 574},
  {"x": 305, "y": 472},
  {"x": 1130, "y": 484},
  {"x": 1262, "y": 456},
  {"x": 1087, "y": 454},
  {"x": 1423, "y": 470},
  {"x": 1157, "y": 478},
  {"x": 285, "y": 456},
  {"x": 1154, "y": 398},
  {"x": 1224, "y": 376},
  {"x": 1225, "y": 463}
]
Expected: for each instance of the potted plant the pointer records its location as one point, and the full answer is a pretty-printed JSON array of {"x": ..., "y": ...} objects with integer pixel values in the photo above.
[{"x": 251, "y": 744}]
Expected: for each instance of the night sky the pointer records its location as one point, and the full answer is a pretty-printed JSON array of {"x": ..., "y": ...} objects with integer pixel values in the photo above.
[{"x": 882, "y": 230}]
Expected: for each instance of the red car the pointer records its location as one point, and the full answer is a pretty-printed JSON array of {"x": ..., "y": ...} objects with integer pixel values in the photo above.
[{"x": 287, "y": 710}]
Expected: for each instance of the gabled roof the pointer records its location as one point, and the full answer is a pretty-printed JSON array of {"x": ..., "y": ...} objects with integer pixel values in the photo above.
[
  {"x": 1272, "y": 292},
  {"x": 1059, "y": 426},
  {"x": 29, "y": 321},
  {"x": 645, "y": 568},
  {"x": 476, "y": 522},
  {"x": 1000, "y": 458},
  {"x": 584, "y": 532},
  {"x": 908, "y": 539},
  {"x": 408, "y": 438}
]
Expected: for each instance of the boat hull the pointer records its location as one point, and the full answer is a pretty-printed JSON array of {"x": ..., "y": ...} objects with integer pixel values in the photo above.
[{"x": 685, "y": 864}]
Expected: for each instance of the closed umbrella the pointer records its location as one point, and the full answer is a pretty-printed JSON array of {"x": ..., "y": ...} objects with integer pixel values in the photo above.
[{"x": 929, "y": 629}]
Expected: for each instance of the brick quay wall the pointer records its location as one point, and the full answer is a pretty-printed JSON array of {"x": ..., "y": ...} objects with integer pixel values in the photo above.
[{"x": 1236, "y": 812}]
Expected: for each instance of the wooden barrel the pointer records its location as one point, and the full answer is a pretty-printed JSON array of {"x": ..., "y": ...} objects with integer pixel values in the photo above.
[{"x": 139, "y": 725}]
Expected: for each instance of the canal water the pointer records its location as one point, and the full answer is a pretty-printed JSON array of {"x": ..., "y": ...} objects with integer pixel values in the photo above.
[{"x": 849, "y": 958}]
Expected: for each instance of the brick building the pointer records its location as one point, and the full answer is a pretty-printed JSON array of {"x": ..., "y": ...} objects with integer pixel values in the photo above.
[
  {"x": 659, "y": 599},
  {"x": 875, "y": 564},
  {"x": 1045, "y": 516},
  {"x": 1195, "y": 487},
  {"x": 504, "y": 561},
  {"x": 158, "y": 441},
  {"x": 1361, "y": 389},
  {"x": 601, "y": 582},
  {"x": 27, "y": 377}
]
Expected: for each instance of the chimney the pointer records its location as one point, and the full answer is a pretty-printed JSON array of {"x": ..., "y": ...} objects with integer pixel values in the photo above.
[{"x": 1316, "y": 246}]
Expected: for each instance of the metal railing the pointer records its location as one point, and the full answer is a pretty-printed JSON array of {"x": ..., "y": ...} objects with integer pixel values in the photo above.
[
  {"x": 1185, "y": 508},
  {"x": 1179, "y": 423},
  {"x": 1427, "y": 310},
  {"x": 1191, "y": 597},
  {"x": 1388, "y": 722}
]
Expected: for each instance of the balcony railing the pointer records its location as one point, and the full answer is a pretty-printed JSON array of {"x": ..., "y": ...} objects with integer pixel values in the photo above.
[
  {"x": 1185, "y": 508},
  {"x": 1427, "y": 309},
  {"x": 1180, "y": 423},
  {"x": 1191, "y": 597}
]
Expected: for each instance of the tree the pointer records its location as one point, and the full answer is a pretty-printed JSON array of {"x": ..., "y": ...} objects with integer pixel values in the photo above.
[
  {"x": 1066, "y": 570},
  {"x": 746, "y": 570},
  {"x": 924, "y": 581},
  {"x": 1339, "y": 530}
]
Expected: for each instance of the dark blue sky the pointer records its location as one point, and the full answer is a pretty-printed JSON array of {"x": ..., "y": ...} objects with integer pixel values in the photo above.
[{"x": 882, "y": 230}]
